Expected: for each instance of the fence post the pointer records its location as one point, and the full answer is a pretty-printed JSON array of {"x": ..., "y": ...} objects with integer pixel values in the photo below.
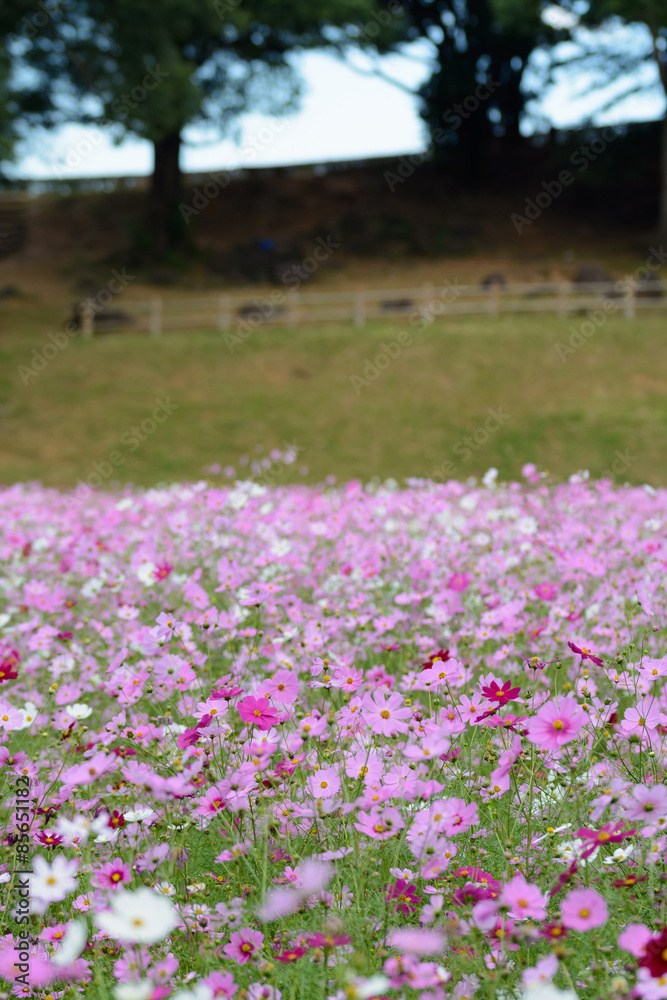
[
  {"x": 293, "y": 308},
  {"x": 359, "y": 311},
  {"x": 156, "y": 317},
  {"x": 87, "y": 319},
  {"x": 494, "y": 300},
  {"x": 563, "y": 290},
  {"x": 629, "y": 307},
  {"x": 224, "y": 314}
]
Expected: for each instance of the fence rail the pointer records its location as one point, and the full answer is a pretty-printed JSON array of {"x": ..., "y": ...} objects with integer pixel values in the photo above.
[{"x": 240, "y": 312}]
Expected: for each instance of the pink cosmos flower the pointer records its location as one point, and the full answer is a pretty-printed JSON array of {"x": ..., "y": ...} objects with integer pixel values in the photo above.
[
  {"x": 642, "y": 718},
  {"x": 10, "y": 717},
  {"x": 384, "y": 714},
  {"x": 347, "y": 678},
  {"x": 244, "y": 945},
  {"x": 459, "y": 582},
  {"x": 417, "y": 941},
  {"x": 258, "y": 712},
  {"x": 325, "y": 783},
  {"x": 583, "y": 909},
  {"x": 89, "y": 771},
  {"x": 457, "y": 816},
  {"x": 524, "y": 900},
  {"x": 380, "y": 824},
  {"x": 112, "y": 875},
  {"x": 405, "y": 895},
  {"x": 645, "y": 601},
  {"x": 221, "y": 985},
  {"x": 283, "y": 687},
  {"x": 542, "y": 972},
  {"x": 556, "y": 723},
  {"x": 634, "y": 939},
  {"x": 647, "y": 802},
  {"x": 546, "y": 591}
]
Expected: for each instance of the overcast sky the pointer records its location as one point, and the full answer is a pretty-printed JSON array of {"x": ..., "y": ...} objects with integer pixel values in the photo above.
[{"x": 345, "y": 113}]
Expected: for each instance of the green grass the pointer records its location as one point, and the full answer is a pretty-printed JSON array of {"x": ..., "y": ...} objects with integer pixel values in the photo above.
[{"x": 294, "y": 386}]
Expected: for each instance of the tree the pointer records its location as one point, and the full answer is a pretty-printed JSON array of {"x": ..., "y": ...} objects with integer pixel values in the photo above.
[
  {"x": 602, "y": 65},
  {"x": 153, "y": 67},
  {"x": 474, "y": 97},
  {"x": 20, "y": 21}
]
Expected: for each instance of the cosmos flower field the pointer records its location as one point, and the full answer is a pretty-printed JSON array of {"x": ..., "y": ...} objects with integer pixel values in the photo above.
[{"x": 339, "y": 742}]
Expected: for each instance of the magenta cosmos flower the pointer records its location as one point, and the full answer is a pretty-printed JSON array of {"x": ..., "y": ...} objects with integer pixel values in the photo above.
[
  {"x": 556, "y": 723},
  {"x": 258, "y": 712},
  {"x": 585, "y": 654},
  {"x": 583, "y": 909},
  {"x": 405, "y": 895},
  {"x": 244, "y": 945},
  {"x": 503, "y": 694}
]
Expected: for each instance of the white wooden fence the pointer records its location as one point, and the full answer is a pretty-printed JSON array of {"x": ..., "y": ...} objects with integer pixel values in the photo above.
[{"x": 243, "y": 312}]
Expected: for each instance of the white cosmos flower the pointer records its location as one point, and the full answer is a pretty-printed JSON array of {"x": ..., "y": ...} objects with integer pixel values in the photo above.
[
  {"x": 134, "y": 991},
  {"x": 79, "y": 710},
  {"x": 363, "y": 989},
  {"x": 146, "y": 574},
  {"x": 619, "y": 855},
  {"x": 139, "y": 814},
  {"x": 141, "y": 917},
  {"x": 198, "y": 992},
  {"x": 547, "y": 991},
  {"x": 51, "y": 883},
  {"x": 29, "y": 713},
  {"x": 72, "y": 944}
]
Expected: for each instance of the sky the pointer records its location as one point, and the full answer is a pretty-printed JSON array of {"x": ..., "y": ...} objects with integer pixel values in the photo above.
[{"x": 346, "y": 112}]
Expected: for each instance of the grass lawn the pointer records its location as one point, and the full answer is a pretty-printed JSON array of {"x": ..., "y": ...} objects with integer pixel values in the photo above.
[{"x": 295, "y": 386}]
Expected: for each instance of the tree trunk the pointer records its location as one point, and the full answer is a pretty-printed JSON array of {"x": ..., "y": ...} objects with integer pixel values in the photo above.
[
  {"x": 167, "y": 227},
  {"x": 662, "y": 223}
]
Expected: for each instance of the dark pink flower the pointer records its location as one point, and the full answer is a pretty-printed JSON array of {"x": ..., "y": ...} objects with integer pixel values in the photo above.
[
  {"x": 585, "y": 654},
  {"x": 610, "y": 833},
  {"x": 503, "y": 694},
  {"x": 405, "y": 895},
  {"x": 291, "y": 954}
]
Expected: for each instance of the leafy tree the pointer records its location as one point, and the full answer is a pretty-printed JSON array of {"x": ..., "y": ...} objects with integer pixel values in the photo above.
[
  {"x": 153, "y": 67},
  {"x": 474, "y": 97},
  {"x": 602, "y": 65}
]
